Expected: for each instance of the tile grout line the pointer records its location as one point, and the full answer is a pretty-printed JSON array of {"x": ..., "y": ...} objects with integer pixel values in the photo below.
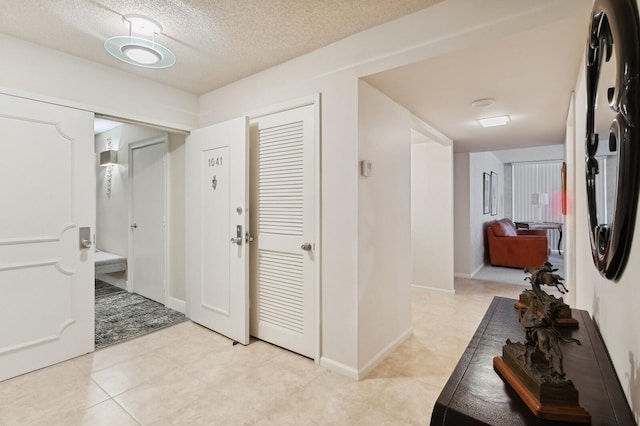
[{"x": 125, "y": 410}]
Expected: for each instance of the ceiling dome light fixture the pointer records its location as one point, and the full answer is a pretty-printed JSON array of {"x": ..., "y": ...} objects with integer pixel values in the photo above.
[
  {"x": 483, "y": 103},
  {"x": 137, "y": 50}
]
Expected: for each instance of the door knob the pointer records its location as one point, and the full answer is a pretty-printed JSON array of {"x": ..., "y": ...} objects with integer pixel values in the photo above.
[
  {"x": 306, "y": 246},
  {"x": 238, "y": 239},
  {"x": 134, "y": 226},
  {"x": 84, "y": 237}
]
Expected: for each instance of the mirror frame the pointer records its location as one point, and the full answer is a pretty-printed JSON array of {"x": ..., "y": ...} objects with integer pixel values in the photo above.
[{"x": 614, "y": 24}]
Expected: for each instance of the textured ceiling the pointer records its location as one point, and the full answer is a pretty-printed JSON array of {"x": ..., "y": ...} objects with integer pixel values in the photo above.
[
  {"x": 216, "y": 42},
  {"x": 530, "y": 74}
]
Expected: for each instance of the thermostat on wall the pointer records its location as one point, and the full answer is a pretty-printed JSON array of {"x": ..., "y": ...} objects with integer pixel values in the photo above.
[{"x": 366, "y": 168}]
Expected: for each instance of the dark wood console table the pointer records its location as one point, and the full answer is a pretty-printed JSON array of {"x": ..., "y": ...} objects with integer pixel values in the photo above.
[{"x": 476, "y": 395}]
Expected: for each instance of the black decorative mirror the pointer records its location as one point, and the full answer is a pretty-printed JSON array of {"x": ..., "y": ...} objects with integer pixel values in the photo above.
[{"x": 613, "y": 118}]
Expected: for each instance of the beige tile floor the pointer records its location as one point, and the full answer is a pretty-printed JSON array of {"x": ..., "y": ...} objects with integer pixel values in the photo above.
[{"x": 188, "y": 375}]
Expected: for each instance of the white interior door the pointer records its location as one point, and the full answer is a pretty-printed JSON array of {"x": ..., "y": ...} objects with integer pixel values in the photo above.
[
  {"x": 148, "y": 213},
  {"x": 283, "y": 253},
  {"x": 217, "y": 200},
  {"x": 48, "y": 194}
]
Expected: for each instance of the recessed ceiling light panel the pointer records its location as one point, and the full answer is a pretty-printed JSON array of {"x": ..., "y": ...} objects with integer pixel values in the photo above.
[
  {"x": 494, "y": 121},
  {"x": 140, "y": 52}
]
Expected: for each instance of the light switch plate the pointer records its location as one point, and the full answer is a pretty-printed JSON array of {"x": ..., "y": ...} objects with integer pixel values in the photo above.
[{"x": 366, "y": 168}]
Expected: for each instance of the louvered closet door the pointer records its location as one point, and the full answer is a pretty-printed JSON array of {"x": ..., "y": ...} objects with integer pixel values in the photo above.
[{"x": 282, "y": 260}]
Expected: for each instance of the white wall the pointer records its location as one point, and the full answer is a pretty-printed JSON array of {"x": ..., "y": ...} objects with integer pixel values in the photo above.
[
  {"x": 431, "y": 213},
  {"x": 461, "y": 218},
  {"x": 538, "y": 153},
  {"x": 480, "y": 162},
  {"x": 613, "y": 304},
  {"x": 56, "y": 77},
  {"x": 474, "y": 249},
  {"x": 384, "y": 225},
  {"x": 569, "y": 232},
  {"x": 176, "y": 201}
]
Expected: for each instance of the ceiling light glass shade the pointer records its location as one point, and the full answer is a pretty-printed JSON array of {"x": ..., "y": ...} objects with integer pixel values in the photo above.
[
  {"x": 494, "y": 121},
  {"x": 142, "y": 55},
  {"x": 140, "y": 52}
]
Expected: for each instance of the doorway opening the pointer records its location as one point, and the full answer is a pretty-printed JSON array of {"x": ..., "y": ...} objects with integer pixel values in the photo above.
[
  {"x": 137, "y": 216},
  {"x": 431, "y": 212}
]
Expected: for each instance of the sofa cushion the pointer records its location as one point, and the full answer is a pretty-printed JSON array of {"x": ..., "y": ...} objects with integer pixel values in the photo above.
[{"x": 503, "y": 229}]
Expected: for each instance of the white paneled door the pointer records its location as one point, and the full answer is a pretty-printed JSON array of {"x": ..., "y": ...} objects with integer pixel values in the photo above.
[
  {"x": 217, "y": 200},
  {"x": 148, "y": 209},
  {"x": 283, "y": 218},
  {"x": 47, "y": 190}
]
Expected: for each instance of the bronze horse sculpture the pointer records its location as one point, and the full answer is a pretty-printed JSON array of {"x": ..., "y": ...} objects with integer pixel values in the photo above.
[
  {"x": 546, "y": 341},
  {"x": 545, "y": 276}
]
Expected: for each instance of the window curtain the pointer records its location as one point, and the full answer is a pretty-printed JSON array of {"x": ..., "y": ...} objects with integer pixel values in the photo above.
[{"x": 537, "y": 194}]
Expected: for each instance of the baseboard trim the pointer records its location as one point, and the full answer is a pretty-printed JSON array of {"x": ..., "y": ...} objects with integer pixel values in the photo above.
[
  {"x": 424, "y": 287},
  {"x": 470, "y": 276},
  {"x": 478, "y": 269},
  {"x": 338, "y": 367},
  {"x": 176, "y": 304},
  {"x": 461, "y": 275},
  {"x": 373, "y": 363}
]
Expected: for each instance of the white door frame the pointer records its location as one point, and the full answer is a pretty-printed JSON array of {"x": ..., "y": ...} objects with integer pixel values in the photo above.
[
  {"x": 314, "y": 100},
  {"x": 130, "y": 265}
]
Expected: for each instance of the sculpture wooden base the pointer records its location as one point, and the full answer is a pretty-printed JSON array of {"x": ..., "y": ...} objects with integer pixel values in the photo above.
[
  {"x": 566, "y": 321},
  {"x": 569, "y": 413}
]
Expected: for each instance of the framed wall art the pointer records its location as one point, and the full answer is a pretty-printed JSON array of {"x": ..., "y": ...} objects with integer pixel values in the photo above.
[
  {"x": 494, "y": 194},
  {"x": 486, "y": 193}
]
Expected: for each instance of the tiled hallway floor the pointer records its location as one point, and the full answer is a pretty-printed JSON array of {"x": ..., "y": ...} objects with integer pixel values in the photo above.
[{"x": 187, "y": 375}]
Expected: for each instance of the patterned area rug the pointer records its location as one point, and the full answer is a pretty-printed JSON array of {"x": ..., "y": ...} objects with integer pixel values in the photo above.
[
  {"x": 121, "y": 315},
  {"x": 103, "y": 288}
]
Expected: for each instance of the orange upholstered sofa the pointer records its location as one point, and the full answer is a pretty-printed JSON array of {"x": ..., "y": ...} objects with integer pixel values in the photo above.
[{"x": 516, "y": 248}]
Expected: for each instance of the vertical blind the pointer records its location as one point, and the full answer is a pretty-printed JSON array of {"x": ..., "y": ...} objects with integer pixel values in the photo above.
[{"x": 531, "y": 181}]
